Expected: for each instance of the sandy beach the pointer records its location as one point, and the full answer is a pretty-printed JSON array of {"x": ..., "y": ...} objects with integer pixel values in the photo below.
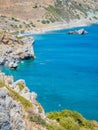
[{"x": 63, "y": 25}]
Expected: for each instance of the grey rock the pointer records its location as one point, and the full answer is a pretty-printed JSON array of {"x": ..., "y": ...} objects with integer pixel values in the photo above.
[
  {"x": 2, "y": 94},
  {"x": 13, "y": 65},
  {"x": 11, "y": 55},
  {"x": 8, "y": 102},
  {"x": 10, "y": 113},
  {"x": 6, "y": 126},
  {"x": 80, "y": 32}
]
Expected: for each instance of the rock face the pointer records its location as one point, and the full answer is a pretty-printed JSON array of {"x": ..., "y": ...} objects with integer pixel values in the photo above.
[
  {"x": 13, "y": 97},
  {"x": 20, "y": 87},
  {"x": 12, "y": 49},
  {"x": 11, "y": 116},
  {"x": 80, "y": 32}
]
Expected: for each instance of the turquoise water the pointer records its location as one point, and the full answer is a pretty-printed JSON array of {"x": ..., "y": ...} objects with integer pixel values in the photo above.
[{"x": 65, "y": 72}]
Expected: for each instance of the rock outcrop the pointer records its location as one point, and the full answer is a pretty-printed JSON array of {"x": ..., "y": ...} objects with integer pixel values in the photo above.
[
  {"x": 17, "y": 104},
  {"x": 13, "y": 49},
  {"x": 20, "y": 87},
  {"x": 80, "y": 32}
]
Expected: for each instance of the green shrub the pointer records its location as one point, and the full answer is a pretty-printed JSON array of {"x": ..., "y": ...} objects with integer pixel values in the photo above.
[
  {"x": 78, "y": 16},
  {"x": 95, "y": 17},
  {"x": 40, "y": 108},
  {"x": 53, "y": 126},
  {"x": 53, "y": 115},
  {"x": 52, "y": 19},
  {"x": 2, "y": 84},
  {"x": 15, "y": 33},
  {"x": 37, "y": 119},
  {"x": 33, "y": 25},
  {"x": 70, "y": 120},
  {"x": 52, "y": 9},
  {"x": 20, "y": 26},
  {"x": 35, "y": 6},
  {"x": 69, "y": 123},
  {"x": 45, "y": 21},
  {"x": 16, "y": 20},
  {"x": 21, "y": 86},
  {"x": 79, "y": 118}
]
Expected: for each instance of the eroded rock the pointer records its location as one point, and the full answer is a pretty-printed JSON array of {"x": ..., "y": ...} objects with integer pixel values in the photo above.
[{"x": 13, "y": 49}]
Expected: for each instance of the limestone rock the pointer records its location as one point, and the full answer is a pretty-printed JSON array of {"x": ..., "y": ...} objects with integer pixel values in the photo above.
[
  {"x": 13, "y": 49},
  {"x": 80, "y": 32},
  {"x": 10, "y": 113}
]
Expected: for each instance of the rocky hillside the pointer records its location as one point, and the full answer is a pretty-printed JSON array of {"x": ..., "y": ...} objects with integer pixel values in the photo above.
[
  {"x": 44, "y": 12},
  {"x": 19, "y": 110}
]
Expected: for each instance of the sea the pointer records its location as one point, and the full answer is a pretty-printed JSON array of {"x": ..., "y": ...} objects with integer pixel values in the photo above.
[{"x": 64, "y": 73}]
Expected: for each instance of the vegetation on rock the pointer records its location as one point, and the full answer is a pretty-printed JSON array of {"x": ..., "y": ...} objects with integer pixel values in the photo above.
[
  {"x": 21, "y": 86},
  {"x": 25, "y": 103},
  {"x": 64, "y": 120},
  {"x": 70, "y": 120}
]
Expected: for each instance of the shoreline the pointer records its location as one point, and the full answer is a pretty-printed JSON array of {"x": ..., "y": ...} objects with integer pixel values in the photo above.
[
  {"x": 61, "y": 26},
  {"x": 19, "y": 105}
]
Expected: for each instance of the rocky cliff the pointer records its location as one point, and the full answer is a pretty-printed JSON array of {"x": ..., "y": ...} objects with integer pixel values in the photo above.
[
  {"x": 17, "y": 104},
  {"x": 19, "y": 110},
  {"x": 15, "y": 48}
]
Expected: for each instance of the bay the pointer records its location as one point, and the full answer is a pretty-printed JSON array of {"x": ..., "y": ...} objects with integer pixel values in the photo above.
[{"x": 65, "y": 71}]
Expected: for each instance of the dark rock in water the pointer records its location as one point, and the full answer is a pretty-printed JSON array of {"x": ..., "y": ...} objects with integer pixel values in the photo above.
[{"x": 80, "y": 32}]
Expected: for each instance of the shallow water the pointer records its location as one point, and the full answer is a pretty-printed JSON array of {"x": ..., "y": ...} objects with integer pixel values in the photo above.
[{"x": 65, "y": 72}]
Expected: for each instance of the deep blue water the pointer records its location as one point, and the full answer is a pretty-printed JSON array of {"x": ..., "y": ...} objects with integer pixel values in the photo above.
[{"x": 65, "y": 72}]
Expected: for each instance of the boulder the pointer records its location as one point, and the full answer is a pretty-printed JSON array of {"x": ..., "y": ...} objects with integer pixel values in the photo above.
[{"x": 80, "y": 32}]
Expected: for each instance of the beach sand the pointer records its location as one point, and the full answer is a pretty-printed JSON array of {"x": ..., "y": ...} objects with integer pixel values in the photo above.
[{"x": 63, "y": 25}]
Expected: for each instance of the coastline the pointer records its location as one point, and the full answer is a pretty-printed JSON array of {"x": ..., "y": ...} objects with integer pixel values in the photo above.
[
  {"x": 19, "y": 105},
  {"x": 27, "y": 96},
  {"x": 63, "y": 25}
]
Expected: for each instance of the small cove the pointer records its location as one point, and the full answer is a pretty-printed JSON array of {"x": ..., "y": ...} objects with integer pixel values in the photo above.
[{"x": 65, "y": 71}]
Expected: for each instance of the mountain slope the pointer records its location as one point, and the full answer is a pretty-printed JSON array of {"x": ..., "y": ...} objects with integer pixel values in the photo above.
[{"x": 43, "y": 12}]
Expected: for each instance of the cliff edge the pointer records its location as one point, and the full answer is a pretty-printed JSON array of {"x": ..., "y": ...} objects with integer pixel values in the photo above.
[
  {"x": 15, "y": 48},
  {"x": 19, "y": 110}
]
